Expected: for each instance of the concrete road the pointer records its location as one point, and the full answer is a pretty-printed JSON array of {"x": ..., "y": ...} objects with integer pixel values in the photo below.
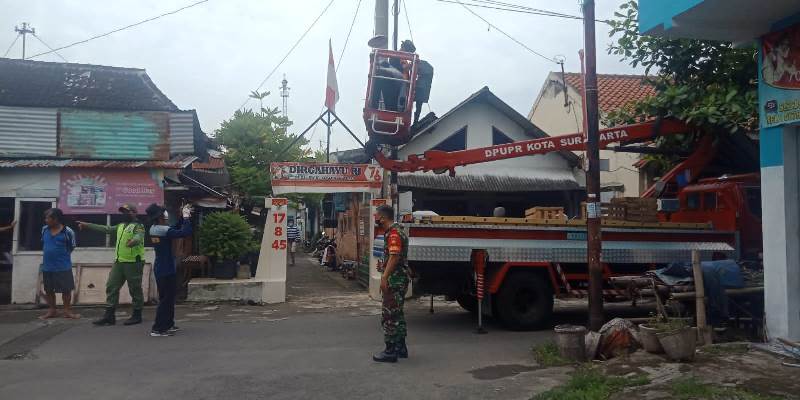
[{"x": 317, "y": 346}]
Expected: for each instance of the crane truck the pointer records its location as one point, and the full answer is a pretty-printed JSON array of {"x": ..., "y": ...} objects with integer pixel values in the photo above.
[{"x": 515, "y": 267}]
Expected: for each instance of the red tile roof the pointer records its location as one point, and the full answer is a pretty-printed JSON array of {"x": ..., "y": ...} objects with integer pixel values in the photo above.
[
  {"x": 213, "y": 163},
  {"x": 614, "y": 91}
]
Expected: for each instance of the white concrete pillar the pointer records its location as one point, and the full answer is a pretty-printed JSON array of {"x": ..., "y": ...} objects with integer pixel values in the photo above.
[
  {"x": 272, "y": 259},
  {"x": 780, "y": 194}
]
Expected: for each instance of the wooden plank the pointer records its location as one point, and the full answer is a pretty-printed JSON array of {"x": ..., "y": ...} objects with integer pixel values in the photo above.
[{"x": 469, "y": 220}]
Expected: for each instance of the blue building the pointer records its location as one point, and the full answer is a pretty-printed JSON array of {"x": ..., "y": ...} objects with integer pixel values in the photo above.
[{"x": 774, "y": 27}]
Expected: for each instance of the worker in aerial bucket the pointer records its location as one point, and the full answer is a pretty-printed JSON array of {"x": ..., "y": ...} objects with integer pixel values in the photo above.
[{"x": 422, "y": 90}]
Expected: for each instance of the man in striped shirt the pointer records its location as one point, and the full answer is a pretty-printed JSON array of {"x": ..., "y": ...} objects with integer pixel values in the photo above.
[{"x": 292, "y": 236}]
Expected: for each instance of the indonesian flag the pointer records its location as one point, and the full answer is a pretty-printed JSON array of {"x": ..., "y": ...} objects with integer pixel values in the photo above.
[{"x": 332, "y": 89}]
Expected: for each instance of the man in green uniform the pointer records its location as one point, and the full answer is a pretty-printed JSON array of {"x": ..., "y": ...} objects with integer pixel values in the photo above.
[
  {"x": 128, "y": 265},
  {"x": 394, "y": 284}
]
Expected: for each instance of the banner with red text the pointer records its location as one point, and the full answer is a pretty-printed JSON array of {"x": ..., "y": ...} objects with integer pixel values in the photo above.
[{"x": 295, "y": 177}]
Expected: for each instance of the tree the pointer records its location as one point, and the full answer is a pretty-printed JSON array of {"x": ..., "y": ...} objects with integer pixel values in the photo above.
[
  {"x": 709, "y": 84},
  {"x": 251, "y": 141}
]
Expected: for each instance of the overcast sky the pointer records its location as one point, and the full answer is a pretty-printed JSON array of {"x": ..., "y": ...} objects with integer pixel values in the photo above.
[{"x": 211, "y": 56}]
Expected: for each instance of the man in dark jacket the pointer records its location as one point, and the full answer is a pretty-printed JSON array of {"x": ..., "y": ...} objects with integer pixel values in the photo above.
[{"x": 161, "y": 235}]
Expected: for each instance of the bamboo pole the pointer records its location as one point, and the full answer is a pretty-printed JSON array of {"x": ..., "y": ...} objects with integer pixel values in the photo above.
[{"x": 700, "y": 299}]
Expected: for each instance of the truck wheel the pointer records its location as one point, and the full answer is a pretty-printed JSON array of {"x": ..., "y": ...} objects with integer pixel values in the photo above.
[
  {"x": 467, "y": 302},
  {"x": 525, "y": 301}
]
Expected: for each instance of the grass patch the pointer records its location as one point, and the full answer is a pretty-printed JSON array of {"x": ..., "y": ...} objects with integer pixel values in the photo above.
[
  {"x": 591, "y": 384},
  {"x": 547, "y": 355},
  {"x": 692, "y": 388}
]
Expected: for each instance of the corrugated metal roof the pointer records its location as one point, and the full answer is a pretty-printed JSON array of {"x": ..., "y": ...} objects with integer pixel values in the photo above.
[
  {"x": 181, "y": 133},
  {"x": 114, "y": 135},
  {"x": 28, "y": 131},
  {"x": 175, "y": 163},
  {"x": 526, "y": 181}
]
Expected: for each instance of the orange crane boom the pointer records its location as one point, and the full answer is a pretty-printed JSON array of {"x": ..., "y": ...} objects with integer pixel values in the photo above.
[{"x": 441, "y": 161}]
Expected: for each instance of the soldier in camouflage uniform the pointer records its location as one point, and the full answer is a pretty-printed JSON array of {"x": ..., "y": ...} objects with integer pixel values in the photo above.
[{"x": 394, "y": 284}]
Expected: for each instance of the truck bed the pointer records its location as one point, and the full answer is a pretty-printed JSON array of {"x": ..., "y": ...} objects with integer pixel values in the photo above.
[{"x": 452, "y": 239}]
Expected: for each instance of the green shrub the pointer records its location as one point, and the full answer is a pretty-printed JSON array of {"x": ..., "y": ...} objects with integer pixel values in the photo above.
[{"x": 226, "y": 236}]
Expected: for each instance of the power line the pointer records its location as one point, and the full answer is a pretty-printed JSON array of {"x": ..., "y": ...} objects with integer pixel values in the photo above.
[
  {"x": 408, "y": 22},
  {"x": 504, "y": 33},
  {"x": 519, "y": 9},
  {"x": 122, "y": 28},
  {"x": 48, "y": 46},
  {"x": 12, "y": 45},
  {"x": 290, "y": 51}
]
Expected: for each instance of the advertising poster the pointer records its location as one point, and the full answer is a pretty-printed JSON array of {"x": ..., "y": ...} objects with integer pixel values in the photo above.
[
  {"x": 779, "y": 83},
  {"x": 103, "y": 192}
]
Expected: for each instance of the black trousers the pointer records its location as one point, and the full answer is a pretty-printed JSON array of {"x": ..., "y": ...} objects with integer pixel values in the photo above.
[{"x": 165, "y": 314}]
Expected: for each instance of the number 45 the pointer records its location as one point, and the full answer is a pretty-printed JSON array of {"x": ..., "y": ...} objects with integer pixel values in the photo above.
[{"x": 279, "y": 245}]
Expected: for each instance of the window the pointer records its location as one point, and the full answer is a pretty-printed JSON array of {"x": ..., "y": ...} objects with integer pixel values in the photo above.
[
  {"x": 86, "y": 237},
  {"x": 692, "y": 201},
  {"x": 31, "y": 220},
  {"x": 498, "y": 137},
  {"x": 456, "y": 141},
  {"x": 605, "y": 164},
  {"x": 710, "y": 201}
]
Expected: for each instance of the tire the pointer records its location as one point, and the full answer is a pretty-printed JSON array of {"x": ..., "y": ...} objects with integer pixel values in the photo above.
[
  {"x": 467, "y": 302},
  {"x": 525, "y": 301}
]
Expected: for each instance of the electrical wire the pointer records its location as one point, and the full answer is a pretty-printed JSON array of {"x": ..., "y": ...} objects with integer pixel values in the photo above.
[
  {"x": 121, "y": 29},
  {"x": 408, "y": 22},
  {"x": 288, "y": 53},
  {"x": 12, "y": 45},
  {"x": 48, "y": 46},
  {"x": 496, "y": 5},
  {"x": 506, "y": 34}
]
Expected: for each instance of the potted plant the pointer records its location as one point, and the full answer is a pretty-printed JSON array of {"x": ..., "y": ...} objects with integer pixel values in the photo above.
[
  {"x": 647, "y": 336},
  {"x": 677, "y": 338},
  {"x": 225, "y": 237}
]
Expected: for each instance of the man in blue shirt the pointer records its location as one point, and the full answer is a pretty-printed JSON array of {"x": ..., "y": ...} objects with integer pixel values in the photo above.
[
  {"x": 58, "y": 241},
  {"x": 161, "y": 235}
]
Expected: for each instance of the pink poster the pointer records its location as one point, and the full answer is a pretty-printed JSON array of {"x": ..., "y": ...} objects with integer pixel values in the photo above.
[{"x": 91, "y": 191}]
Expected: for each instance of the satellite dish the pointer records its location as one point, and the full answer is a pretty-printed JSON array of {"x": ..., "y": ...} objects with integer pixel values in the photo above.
[{"x": 379, "y": 42}]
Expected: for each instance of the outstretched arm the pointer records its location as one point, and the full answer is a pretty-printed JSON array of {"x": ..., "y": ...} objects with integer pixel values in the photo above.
[{"x": 8, "y": 227}]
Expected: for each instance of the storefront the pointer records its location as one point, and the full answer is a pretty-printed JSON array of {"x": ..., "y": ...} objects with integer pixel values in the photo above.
[
  {"x": 775, "y": 30},
  {"x": 84, "y": 194}
]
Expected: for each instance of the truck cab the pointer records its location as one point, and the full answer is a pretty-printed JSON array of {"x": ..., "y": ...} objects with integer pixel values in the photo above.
[{"x": 729, "y": 203}]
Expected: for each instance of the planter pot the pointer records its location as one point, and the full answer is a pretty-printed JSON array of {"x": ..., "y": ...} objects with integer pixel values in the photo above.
[
  {"x": 679, "y": 345},
  {"x": 571, "y": 342},
  {"x": 225, "y": 269},
  {"x": 649, "y": 340}
]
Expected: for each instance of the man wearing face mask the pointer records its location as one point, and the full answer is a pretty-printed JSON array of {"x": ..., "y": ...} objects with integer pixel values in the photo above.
[
  {"x": 394, "y": 284},
  {"x": 162, "y": 234},
  {"x": 128, "y": 265}
]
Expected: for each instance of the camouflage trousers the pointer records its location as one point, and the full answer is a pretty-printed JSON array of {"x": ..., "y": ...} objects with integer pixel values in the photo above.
[{"x": 393, "y": 319}]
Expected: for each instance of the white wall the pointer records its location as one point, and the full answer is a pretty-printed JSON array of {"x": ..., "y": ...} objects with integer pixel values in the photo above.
[
  {"x": 551, "y": 116},
  {"x": 25, "y": 272},
  {"x": 780, "y": 194},
  {"x": 479, "y": 119},
  {"x": 29, "y": 182}
]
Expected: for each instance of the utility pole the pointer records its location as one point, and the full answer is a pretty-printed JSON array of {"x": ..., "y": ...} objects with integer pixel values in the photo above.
[
  {"x": 393, "y": 152},
  {"x": 26, "y": 29},
  {"x": 285, "y": 96},
  {"x": 396, "y": 14},
  {"x": 593, "y": 221}
]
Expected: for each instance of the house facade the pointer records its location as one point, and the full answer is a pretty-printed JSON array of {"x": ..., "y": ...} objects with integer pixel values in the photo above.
[
  {"x": 558, "y": 110},
  {"x": 774, "y": 29},
  {"x": 482, "y": 120},
  {"x": 86, "y": 139}
]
